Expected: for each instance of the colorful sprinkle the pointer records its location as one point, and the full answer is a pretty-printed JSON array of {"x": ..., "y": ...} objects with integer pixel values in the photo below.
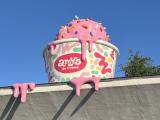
[
  {"x": 84, "y": 26},
  {"x": 101, "y": 29},
  {"x": 76, "y": 17},
  {"x": 68, "y": 30},
  {"x": 98, "y": 68},
  {"x": 106, "y": 54},
  {"x": 67, "y": 79},
  {"x": 77, "y": 49},
  {"x": 78, "y": 21},
  {"x": 91, "y": 61},
  {"x": 76, "y": 32},
  {"x": 53, "y": 57},
  {"x": 110, "y": 60},
  {"x": 73, "y": 27},
  {"x": 90, "y": 33},
  {"x": 70, "y": 25},
  {"x": 94, "y": 72}
]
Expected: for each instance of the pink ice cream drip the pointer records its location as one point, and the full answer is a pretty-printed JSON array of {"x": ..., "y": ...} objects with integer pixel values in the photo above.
[
  {"x": 78, "y": 82},
  {"x": 85, "y": 30},
  {"x": 22, "y": 88}
]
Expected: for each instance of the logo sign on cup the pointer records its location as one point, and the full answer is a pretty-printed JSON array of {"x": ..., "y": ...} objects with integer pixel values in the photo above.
[{"x": 70, "y": 63}]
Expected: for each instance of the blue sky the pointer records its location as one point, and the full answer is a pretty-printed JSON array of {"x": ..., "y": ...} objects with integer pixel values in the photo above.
[{"x": 26, "y": 26}]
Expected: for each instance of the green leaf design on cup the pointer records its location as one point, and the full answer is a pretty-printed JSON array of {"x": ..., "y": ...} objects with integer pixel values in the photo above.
[
  {"x": 67, "y": 79},
  {"x": 106, "y": 54},
  {"x": 94, "y": 72},
  {"x": 53, "y": 57},
  {"x": 77, "y": 49}
]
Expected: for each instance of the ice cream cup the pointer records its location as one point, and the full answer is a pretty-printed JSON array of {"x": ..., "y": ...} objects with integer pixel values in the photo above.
[{"x": 64, "y": 60}]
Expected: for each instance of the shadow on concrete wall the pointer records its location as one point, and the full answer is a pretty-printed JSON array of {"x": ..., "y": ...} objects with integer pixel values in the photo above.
[
  {"x": 68, "y": 100},
  {"x": 10, "y": 108},
  {"x": 83, "y": 101},
  {"x": 64, "y": 105}
]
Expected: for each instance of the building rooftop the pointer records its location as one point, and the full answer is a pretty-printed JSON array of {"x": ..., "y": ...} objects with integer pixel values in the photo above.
[{"x": 118, "y": 99}]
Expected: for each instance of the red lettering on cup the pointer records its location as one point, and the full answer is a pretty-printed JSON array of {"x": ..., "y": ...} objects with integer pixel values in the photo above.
[{"x": 69, "y": 63}]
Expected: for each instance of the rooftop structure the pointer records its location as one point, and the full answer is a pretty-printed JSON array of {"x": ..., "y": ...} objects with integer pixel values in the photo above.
[{"x": 117, "y": 99}]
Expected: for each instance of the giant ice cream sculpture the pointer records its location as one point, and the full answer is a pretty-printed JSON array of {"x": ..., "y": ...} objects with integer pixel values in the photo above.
[{"x": 81, "y": 53}]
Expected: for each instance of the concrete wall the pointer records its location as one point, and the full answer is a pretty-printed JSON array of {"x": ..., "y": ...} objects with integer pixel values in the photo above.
[{"x": 118, "y": 99}]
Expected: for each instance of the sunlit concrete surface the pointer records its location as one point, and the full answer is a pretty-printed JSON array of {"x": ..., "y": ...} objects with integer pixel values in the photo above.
[{"x": 117, "y": 99}]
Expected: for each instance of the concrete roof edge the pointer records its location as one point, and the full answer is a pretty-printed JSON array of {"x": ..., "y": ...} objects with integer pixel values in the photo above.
[{"x": 115, "y": 82}]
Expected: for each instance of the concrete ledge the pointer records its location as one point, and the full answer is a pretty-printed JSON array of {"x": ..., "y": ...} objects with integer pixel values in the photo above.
[
  {"x": 118, "y": 99},
  {"x": 103, "y": 84}
]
